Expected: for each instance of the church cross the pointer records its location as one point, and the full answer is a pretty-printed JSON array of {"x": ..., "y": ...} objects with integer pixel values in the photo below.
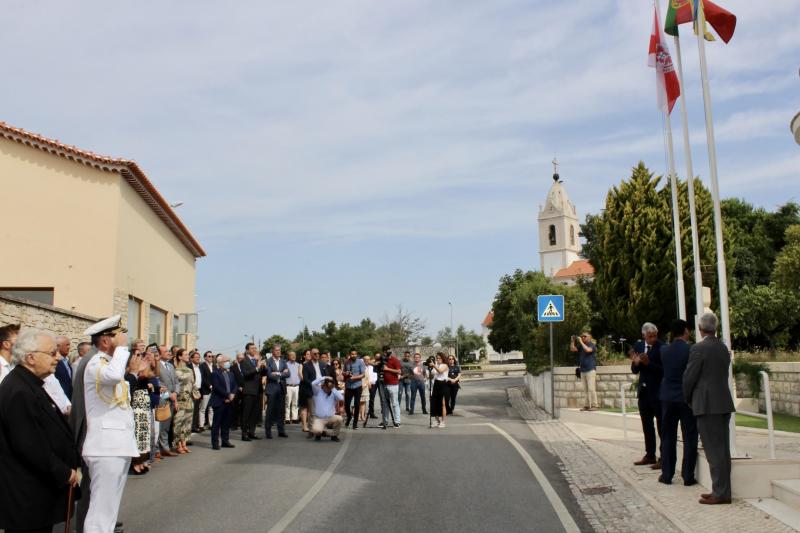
[{"x": 555, "y": 166}]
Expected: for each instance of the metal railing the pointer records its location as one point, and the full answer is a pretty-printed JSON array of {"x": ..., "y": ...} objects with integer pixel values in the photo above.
[
  {"x": 624, "y": 411},
  {"x": 767, "y": 416}
]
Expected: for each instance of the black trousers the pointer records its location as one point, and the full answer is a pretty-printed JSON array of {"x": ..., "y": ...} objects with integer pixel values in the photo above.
[
  {"x": 674, "y": 413},
  {"x": 275, "y": 412},
  {"x": 221, "y": 424},
  {"x": 251, "y": 405},
  {"x": 451, "y": 399},
  {"x": 46, "y": 529},
  {"x": 439, "y": 398},
  {"x": 196, "y": 414},
  {"x": 650, "y": 413},
  {"x": 352, "y": 396}
]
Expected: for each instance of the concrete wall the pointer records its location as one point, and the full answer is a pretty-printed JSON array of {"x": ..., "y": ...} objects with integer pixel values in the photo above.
[
  {"x": 569, "y": 390},
  {"x": 784, "y": 387},
  {"x": 46, "y": 317}
]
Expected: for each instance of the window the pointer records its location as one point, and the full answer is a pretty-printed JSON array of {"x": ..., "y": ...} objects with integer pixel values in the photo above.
[
  {"x": 134, "y": 315},
  {"x": 572, "y": 235},
  {"x": 552, "y": 233},
  {"x": 158, "y": 319},
  {"x": 40, "y": 295},
  {"x": 176, "y": 320}
]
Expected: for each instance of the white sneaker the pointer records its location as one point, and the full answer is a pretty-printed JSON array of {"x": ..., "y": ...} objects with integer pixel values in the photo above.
[{"x": 442, "y": 425}]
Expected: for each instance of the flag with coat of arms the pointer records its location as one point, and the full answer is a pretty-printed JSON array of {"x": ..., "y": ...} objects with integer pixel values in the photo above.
[{"x": 668, "y": 86}]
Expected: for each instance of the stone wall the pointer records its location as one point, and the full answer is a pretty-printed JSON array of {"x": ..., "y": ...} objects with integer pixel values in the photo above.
[
  {"x": 569, "y": 390},
  {"x": 784, "y": 387},
  {"x": 42, "y": 316}
]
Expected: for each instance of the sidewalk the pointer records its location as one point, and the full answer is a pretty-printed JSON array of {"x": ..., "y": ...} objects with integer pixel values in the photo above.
[{"x": 597, "y": 460}]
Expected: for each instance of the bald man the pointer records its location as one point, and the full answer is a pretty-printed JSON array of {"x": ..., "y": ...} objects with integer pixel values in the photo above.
[{"x": 63, "y": 371}]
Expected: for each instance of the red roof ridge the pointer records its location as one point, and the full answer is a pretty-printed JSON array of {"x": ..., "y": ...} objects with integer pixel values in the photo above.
[
  {"x": 127, "y": 168},
  {"x": 580, "y": 267},
  {"x": 489, "y": 319}
]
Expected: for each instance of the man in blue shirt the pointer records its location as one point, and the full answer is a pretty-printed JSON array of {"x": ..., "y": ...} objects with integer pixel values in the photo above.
[
  {"x": 354, "y": 370},
  {"x": 587, "y": 353}
]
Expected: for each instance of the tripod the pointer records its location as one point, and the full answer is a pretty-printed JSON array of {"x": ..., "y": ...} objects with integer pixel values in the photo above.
[
  {"x": 384, "y": 403},
  {"x": 430, "y": 401}
]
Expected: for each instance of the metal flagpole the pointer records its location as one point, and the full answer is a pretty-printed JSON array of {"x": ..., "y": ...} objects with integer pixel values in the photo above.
[
  {"x": 687, "y": 150},
  {"x": 676, "y": 223},
  {"x": 722, "y": 274}
]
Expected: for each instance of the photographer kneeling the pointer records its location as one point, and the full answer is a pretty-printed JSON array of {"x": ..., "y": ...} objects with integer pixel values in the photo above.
[{"x": 325, "y": 418}]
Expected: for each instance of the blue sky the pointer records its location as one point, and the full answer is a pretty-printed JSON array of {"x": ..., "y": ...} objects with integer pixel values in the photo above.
[{"x": 337, "y": 159}]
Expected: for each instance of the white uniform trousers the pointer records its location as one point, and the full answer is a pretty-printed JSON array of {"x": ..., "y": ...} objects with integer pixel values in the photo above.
[
  {"x": 203, "y": 408},
  {"x": 108, "y": 481},
  {"x": 292, "y": 396}
]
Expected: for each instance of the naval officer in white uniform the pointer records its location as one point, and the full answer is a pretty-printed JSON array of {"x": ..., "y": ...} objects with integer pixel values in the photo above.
[{"x": 110, "y": 439}]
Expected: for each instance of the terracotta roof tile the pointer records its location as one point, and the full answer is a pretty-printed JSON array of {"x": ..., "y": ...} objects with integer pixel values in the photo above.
[
  {"x": 487, "y": 322},
  {"x": 128, "y": 169},
  {"x": 581, "y": 267}
]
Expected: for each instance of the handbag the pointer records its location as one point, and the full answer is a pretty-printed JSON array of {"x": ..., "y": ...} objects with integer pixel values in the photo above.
[
  {"x": 577, "y": 372},
  {"x": 163, "y": 413},
  {"x": 196, "y": 394}
]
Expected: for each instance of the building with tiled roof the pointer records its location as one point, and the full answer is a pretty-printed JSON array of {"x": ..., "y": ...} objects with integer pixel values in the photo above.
[
  {"x": 91, "y": 234},
  {"x": 578, "y": 269}
]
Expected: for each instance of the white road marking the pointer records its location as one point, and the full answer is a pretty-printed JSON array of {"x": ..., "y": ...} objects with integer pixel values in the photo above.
[
  {"x": 298, "y": 507},
  {"x": 555, "y": 501}
]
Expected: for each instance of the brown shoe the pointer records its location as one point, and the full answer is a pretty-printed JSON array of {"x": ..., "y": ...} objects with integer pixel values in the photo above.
[
  {"x": 656, "y": 465},
  {"x": 712, "y": 500},
  {"x": 706, "y": 496},
  {"x": 168, "y": 453},
  {"x": 646, "y": 460}
]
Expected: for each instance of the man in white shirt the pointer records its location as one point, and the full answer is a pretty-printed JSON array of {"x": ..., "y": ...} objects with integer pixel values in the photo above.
[
  {"x": 325, "y": 397},
  {"x": 8, "y": 336}
]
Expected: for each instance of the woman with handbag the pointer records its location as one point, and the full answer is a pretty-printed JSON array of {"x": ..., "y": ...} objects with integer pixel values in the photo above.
[
  {"x": 453, "y": 385},
  {"x": 140, "y": 405},
  {"x": 187, "y": 392}
]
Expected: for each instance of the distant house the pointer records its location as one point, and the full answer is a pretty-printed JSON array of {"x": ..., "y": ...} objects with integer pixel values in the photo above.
[
  {"x": 91, "y": 234},
  {"x": 491, "y": 353}
]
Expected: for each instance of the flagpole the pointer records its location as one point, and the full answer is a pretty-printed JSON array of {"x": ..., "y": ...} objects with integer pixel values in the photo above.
[
  {"x": 722, "y": 274},
  {"x": 676, "y": 222},
  {"x": 687, "y": 150}
]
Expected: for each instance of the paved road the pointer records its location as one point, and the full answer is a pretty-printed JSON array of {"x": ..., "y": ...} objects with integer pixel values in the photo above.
[{"x": 470, "y": 476}]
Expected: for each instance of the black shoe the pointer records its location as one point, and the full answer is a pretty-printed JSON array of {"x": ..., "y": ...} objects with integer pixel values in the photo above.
[
  {"x": 690, "y": 482},
  {"x": 228, "y": 445},
  {"x": 411, "y": 412},
  {"x": 355, "y": 427},
  {"x": 349, "y": 419},
  {"x": 255, "y": 437},
  {"x": 269, "y": 435},
  {"x": 665, "y": 481},
  {"x": 216, "y": 448},
  {"x": 318, "y": 437},
  {"x": 424, "y": 412},
  {"x": 282, "y": 434},
  {"x": 396, "y": 425},
  {"x": 382, "y": 425},
  {"x": 372, "y": 415},
  {"x": 335, "y": 439},
  {"x": 246, "y": 439}
]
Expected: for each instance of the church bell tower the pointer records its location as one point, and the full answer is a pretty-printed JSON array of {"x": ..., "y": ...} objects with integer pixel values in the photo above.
[{"x": 559, "y": 245}]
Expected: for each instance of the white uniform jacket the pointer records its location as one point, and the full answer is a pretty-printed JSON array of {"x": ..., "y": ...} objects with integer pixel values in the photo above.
[{"x": 109, "y": 418}]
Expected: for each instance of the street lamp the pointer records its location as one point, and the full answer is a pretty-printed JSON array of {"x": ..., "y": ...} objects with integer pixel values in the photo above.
[
  {"x": 175, "y": 204},
  {"x": 453, "y": 333}
]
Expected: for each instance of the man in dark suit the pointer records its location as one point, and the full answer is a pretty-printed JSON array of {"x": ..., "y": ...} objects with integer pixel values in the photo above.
[
  {"x": 64, "y": 368},
  {"x": 206, "y": 368},
  {"x": 646, "y": 361},
  {"x": 236, "y": 370},
  {"x": 251, "y": 369},
  {"x": 312, "y": 371},
  {"x": 223, "y": 393},
  {"x": 706, "y": 390},
  {"x": 277, "y": 372},
  {"x": 675, "y": 410},
  {"x": 39, "y": 460}
]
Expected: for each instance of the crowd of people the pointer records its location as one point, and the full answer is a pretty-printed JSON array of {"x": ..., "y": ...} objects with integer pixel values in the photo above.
[
  {"x": 113, "y": 409},
  {"x": 678, "y": 385}
]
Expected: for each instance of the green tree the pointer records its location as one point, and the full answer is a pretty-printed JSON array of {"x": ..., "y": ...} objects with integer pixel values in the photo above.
[
  {"x": 468, "y": 340},
  {"x": 786, "y": 274},
  {"x": 285, "y": 343},
  {"x": 764, "y": 315}
]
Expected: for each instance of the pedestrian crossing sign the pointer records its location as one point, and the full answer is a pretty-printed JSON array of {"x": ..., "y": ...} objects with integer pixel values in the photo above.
[{"x": 550, "y": 307}]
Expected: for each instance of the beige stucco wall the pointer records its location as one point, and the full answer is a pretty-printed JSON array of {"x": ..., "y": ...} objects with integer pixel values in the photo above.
[
  {"x": 152, "y": 264},
  {"x": 55, "y": 214}
]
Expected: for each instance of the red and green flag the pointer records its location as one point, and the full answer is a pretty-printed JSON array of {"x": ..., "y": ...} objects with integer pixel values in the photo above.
[
  {"x": 684, "y": 11},
  {"x": 668, "y": 89}
]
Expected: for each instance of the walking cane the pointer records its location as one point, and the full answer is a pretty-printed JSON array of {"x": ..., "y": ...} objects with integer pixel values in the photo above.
[{"x": 69, "y": 509}]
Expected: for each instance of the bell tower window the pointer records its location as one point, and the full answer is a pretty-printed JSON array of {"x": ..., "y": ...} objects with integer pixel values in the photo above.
[
  {"x": 572, "y": 235},
  {"x": 552, "y": 235}
]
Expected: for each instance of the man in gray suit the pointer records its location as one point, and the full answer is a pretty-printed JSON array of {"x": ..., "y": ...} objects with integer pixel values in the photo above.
[
  {"x": 706, "y": 389},
  {"x": 169, "y": 381}
]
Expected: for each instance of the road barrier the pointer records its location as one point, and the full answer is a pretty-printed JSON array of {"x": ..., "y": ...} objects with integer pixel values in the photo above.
[{"x": 767, "y": 416}]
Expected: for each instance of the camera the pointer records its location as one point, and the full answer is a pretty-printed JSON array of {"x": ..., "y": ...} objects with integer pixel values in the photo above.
[{"x": 430, "y": 362}]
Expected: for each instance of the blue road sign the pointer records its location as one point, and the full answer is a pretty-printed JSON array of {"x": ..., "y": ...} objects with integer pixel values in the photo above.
[{"x": 550, "y": 307}]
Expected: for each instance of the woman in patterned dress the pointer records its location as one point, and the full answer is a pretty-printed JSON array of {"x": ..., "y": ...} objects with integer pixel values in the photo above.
[
  {"x": 183, "y": 416},
  {"x": 140, "y": 405}
]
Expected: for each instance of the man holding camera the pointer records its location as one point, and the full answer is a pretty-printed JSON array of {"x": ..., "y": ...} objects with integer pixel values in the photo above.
[
  {"x": 325, "y": 418},
  {"x": 588, "y": 366},
  {"x": 390, "y": 373},
  {"x": 354, "y": 371}
]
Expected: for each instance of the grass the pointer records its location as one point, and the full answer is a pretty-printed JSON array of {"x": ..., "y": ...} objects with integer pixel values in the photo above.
[{"x": 781, "y": 422}]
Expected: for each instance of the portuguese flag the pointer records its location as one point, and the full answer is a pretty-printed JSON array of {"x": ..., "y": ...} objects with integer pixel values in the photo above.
[{"x": 682, "y": 11}]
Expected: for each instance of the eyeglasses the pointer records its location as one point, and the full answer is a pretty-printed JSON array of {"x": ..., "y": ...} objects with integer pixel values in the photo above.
[{"x": 51, "y": 354}]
